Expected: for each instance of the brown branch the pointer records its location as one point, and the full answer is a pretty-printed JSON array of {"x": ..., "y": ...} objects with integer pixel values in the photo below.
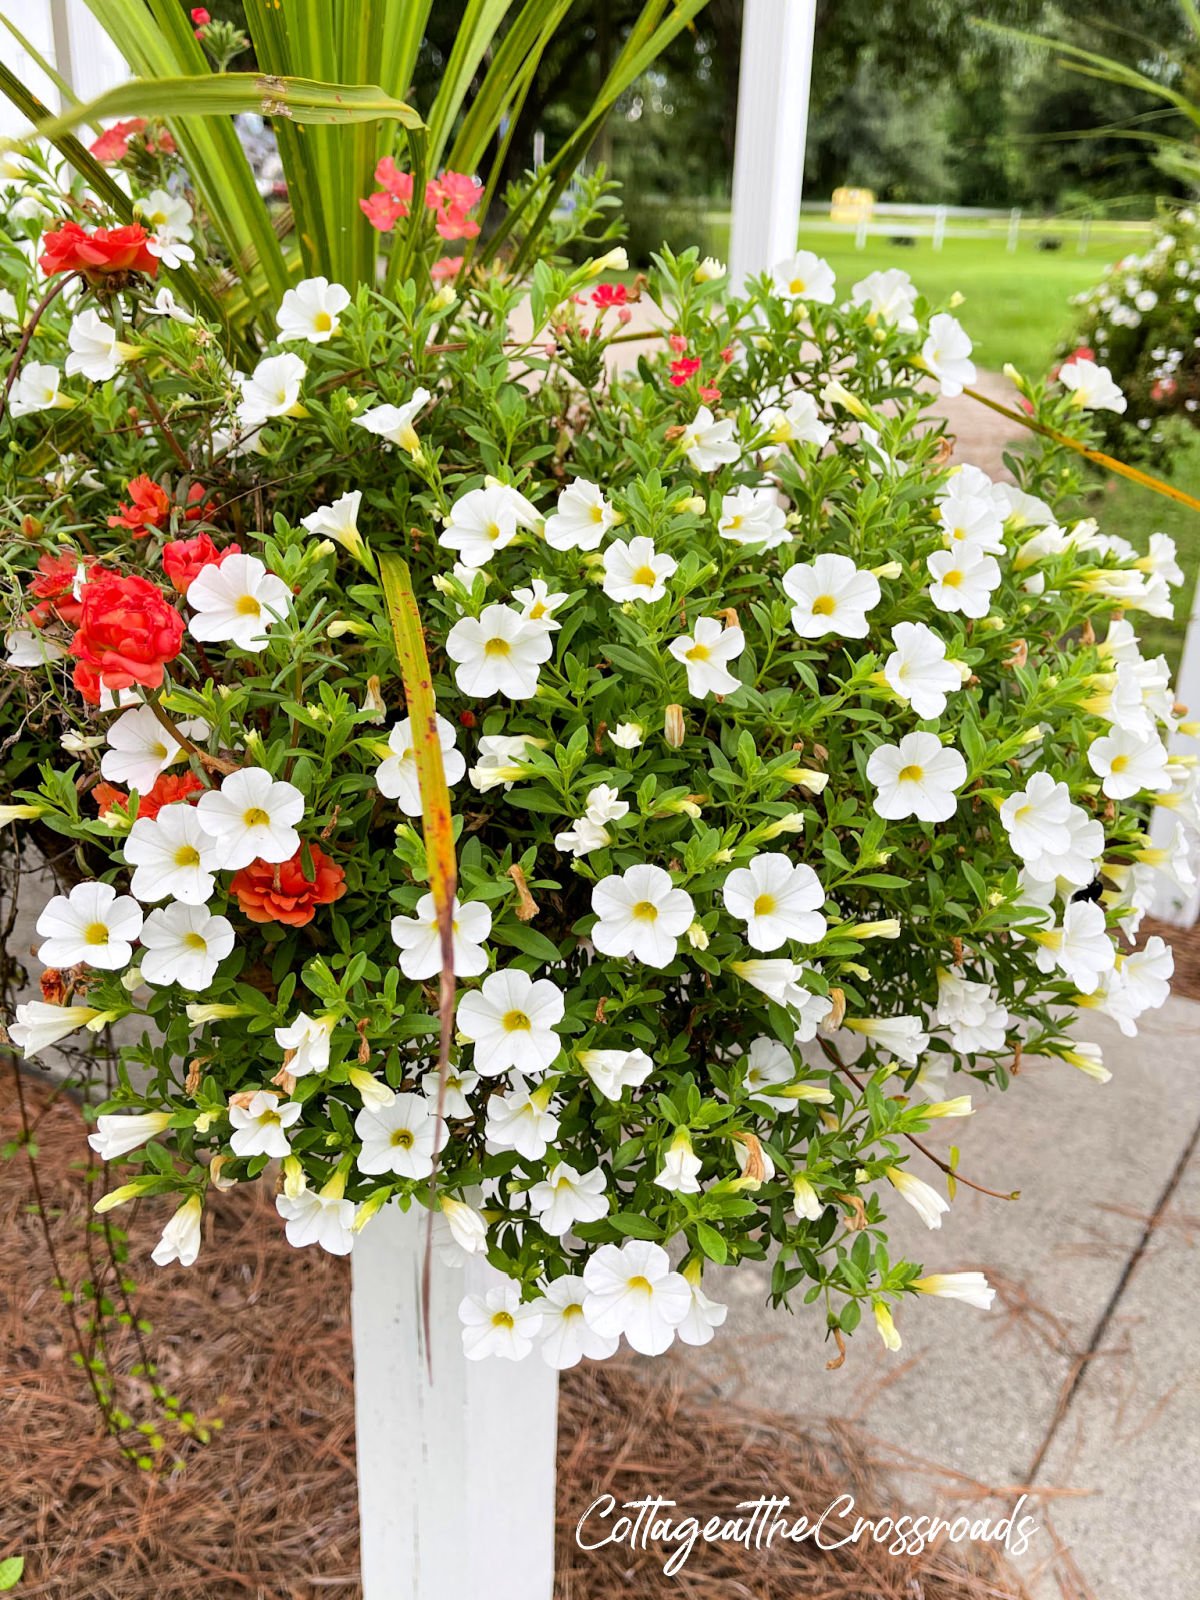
[
  {"x": 216, "y": 763},
  {"x": 51, "y": 294}
]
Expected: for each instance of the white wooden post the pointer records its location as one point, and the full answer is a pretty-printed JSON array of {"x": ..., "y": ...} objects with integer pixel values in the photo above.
[
  {"x": 67, "y": 36},
  {"x": 939, "y": 227},
  {"x": 772, "y": 121},
  {"x": 456, "y": 1486},
  {"x": 1014, "y": 229},
  {"x": 1181, "y": 906}
]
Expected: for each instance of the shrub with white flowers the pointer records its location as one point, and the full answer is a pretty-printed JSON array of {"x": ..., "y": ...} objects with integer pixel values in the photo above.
[
  {"x": 800, "y": 780},
  {"x": 1142, "y": 320}
]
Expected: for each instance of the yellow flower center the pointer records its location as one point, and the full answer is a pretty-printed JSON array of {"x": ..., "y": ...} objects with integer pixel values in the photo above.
[
  {"x": 195, "y": 941},
  {"x": 640, "y": 1283},
  {"x": 597, "y": 513},
  {"x": 953, "y": 579},
  {"x": 516, "y": 1022},
  {"x": 824, "y": 606},
  {"x": 497, "y": 647},
  {"x": 646, "y": 911},
  {"x": 256, "y": 817},
  {"x": 322, "y": 322},
  {"x": 502, "y": 1319},
  {"x": 97, "y": 933},
  {"x": 797, "y": 285},
  {"x": 911, "y": 774},
  {"x": 764, "y": 905},
  {"x": 403, "y": 1137},
  {"x": 187, "y": 856},
  {"x": 699, "y": 652},
  {"x": 492, "y": 532},
  {"x": 572, "y": 1309},
  {"x": 1118, "y": 764},
  {"x": 248, "y": 606},
  {"x": 646, "y": 576}
]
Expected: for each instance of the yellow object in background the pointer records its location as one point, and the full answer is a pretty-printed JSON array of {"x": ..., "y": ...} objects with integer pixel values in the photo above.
[{"x": 852, "y": 205}]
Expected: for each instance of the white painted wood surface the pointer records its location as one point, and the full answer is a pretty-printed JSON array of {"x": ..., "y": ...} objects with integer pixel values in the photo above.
[
  {"x": 456, "y": 1477},
  {"x": 772, "y": 123},
  {"x": 67, "y": 36},
  {"x": 1181, "y": 907}
]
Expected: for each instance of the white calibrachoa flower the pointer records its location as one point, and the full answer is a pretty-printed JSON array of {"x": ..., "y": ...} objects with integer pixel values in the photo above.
[
  {"x": 484, "y": 521},
  {"x": 260, "y": 1126},
  {"x": 139, "y": 750},
  {"x": 458, "y": 1084},
  {"x": 925, "y": 1201},
  {"x": 636, "y": 571},
  {"x": 184, "y": 944},
  {"x": 252, "y": 816},
  {"x": 919, "y": 777},
  {"x": 318, "y": 1217},
  {"x": 901, "y": 1037},
  {"x": 497, "y": 1324},
  {"x": 339, "y": 521},
  {"x": 511, "y": 1020},
  {"x": 964, "y": 578},
  {"x": 96, "y": 352},
  {"x": 522, "y": 1119},
  {"x": 36, "y": 389},
  {"x": 613, "y": 1071},
  {"x": 971, "y": 518},
  {"x": 917, "y": 669},
  {"x": 400, "y": 1138},
  {"x": 832, "y": 596},
  {"x": 889, "y": 297},
  {"x": 971, "y": 1012},
  {"x": 946, "y": 353},
  {"x": 1079, "y": 946},
  {"x": 28, "y": 647},
  {"x": 782, "y": 981},
  {"x": 565, "y": 1197},
  {"x": 236, "y": 602},
  {"x": 627, "y": 735},
  {"x": 1127, "y": 763},
  {"x": 1053, "y": 837},
  {"x": 171, "y": 855},
  {"x": 709, "y": 443},
  {"x": 396, "y": 776},
  {"x": 181, "y": 1237},
  {"x": 271, "y": 390},
  {"x": 397, "y": 424},
  {"x": 420, "y": 943},
  {"x": 1140, "y": 981},
  {"x": 581, "y": 519},
  {"x": 1091, "y": 386},
  {"x": 704, "y": 653},
  {"x": 805, "y": 277},
  {"x": 778, "y": 899},
  {"x": 119, "y": 1132},
  {"x": 566, "y": 1337},
  {"x": 970, "y": 1287},
  {"x": 39, "y": 1026},
  {"x": 704, "y": 1316},
  {"x": 768, "y": 1064},
  {"x": 641, "y": 914},
  {"x": 680, "y": 1170},
  {"x": 501, "y": 761},
  {"x": 498, "y": 653},
  {"x": 538, "y": 605},
  {"x": 796, "y": 421},
  {"x": 633, "y": 1291},
  {"x": 310, "y": 311},
  {"x": 92, "y": 925},
  {"x": 305, "y": 1044},
  {"x": 753, "y": 516}
]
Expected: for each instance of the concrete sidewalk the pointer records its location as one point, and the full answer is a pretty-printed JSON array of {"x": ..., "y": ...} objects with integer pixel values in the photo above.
[{"x": 1084, "y": 1379}]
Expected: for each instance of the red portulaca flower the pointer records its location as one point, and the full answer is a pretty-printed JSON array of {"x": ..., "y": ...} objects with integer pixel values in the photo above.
[
  {"x": 683, "y": 369},
  {"x": 149, "y": 507},
  {"x": 72, "y": 248},
  {"x": 185, "y": 559},
  {"x": 170, "y": 788},
  {"x": 279, "y": 892},
  {"x": 128, "y": 631},
  {"x": 605, "y": 295},
  {"x": 113, "y": 143},
  {"x": 54, "y": 589}
]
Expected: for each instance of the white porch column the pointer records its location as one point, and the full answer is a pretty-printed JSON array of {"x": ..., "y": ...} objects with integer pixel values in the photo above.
[
  {"x": 455, "y": 1477},
  {"x": 1181, "y": 906},
  {"x": 772, "y": 121},
  {"x": 67, "y": 36}
]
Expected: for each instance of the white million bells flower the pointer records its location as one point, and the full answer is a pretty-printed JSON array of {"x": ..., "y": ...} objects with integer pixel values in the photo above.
[
  {"x": 96, "y": 352},
  {"x": 1053, "y": 837},
  {"x": 768, "y": 1064},
  {"x": 420, "y": 942},
  {"x": 496, "y": 1323},
  {"x": 1080, "y": 946},
  {"x": 315, "y": 1217},
  {"x": 339, "y": 521},
  {"x": 522, "y": 1119},
  {"x": 501, "y": 761},
  {"x": 181, "y": 1237},
  {"x": 139, "y": 750},
  {"x": 251, "y": 817},
  {"x": 91, "y": 925},
  {"x": 970, "y": 517},
  {"x": 704, "y": 1316},
  {"x": 1129, "y": 763},
  {"x": 970, "y": 1287},
  {"x": 976, "y": 1020},
  {"x": 796, "y": 421},
  {"x": 538, "y": 605},
  {"x": 614, "y": 1071},
  {"x": 831, "y": 595},
  {"x": 1092, "y": 386},
  {"x": 38, "y": 1026},
  {"x": 310, "y": 311},
  {"x": 396, "y": 776},
  {"x": 778, "y": 899},
  {"x": 917, "y": 669},
  {"x": 632, "y": 1291},
  {"x": 1140, "y": 981},
  {"x": 636, "y": 571},
  {"x": 171, "y": 855},
  {"x": 511, "y": 1020},
  {"x": 919, "y": 777},
  {"x": 753, "y": 516},
  {"x": 889, "y": 297},
  {"x": 184, "y": 944},
  {"x": 925, "y": 1201},
  {"x": 306, "y": 1044},
  {"x": 485, "y": 520},
  {"x": 271, "y": 390},
  {"x": 902, "y": 1037},
  {"x": 498, "y": 653},
  {"x": 964, "y": 578},
  {"x": 581, "y": 519},
  {"x": 566, "y": 1338},
  {"x": 119, "y": 1132},
  {"x": 566, "y": 1196},
  {"x": 704, "y": 653},
  {"x": 396, "y": 424},
  {"x": 680, "y": 1171},
  {"x": 805, "y": 277},
  {"x": 260, "y": 1127},
  {"x": 641, "y": 914},
  {"x": 401, "y": 1138},
  {"x": 709, "y": 443},
  {"x": 781, "y": 981},
  {"x": 236, "y": 601},
  {"x": 36, "y": 389},
  {"x": 946, "y": 354}
]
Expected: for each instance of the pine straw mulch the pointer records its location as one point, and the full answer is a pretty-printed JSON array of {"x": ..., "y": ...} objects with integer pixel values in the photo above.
[{"x": 257, "y": 1337}]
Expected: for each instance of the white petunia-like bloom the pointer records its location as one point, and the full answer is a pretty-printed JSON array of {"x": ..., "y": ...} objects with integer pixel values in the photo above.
[
  {"x": 925, "y": 1201},
  {"x": 778, "y": 899},
  {"x": 964, "y": 578},
  {"x": 522, "y": 1119},
  {"x": 1161, "y": 558},
  {"x": 641, "y": 914},
  {"x": 501, "y": 761},
  {"x": 396, "y": 775},
  {"x": 36, "y": 389},
  {"x": 581, "y": 519},
  {"x": 636, "y": 571},
  {"x": 709, "y": 443},
  {"x": 139, "y": 750},
  {"x": 538, "y": 605},
  {"x": 165, "y": 304},
  {"x": 566, "y": 1338},
  {"x": 498, "y": 653},
  {"x": 271, "y": 390},
  {"x": 769, "y": 1063},
  {"x": 831, "y": 595},
  {"x": 1053, "y": 837},
  {"x": 566, "y": 1196},
  {"x": 260, "y": 1127},
  {"x": 970, "y": 518},
  {"x": 236, "y": 601},
  {"x": 796, "y": 421},
  {"x": 305, "y": 1044},
  {"x": 1129, "y": 764},
  {"x": 314, "y": 1217},
  {"x": 184, "y": 944},
  {"x": 704, "y": 653},
  {"x": 458, "y": 1084},
  {"x": 29, "y": 647},
  {"x": 970, "y": 1287},
  {"x": 889, "y": 297},
  {"x": 396, "y": 424},
  {"x": 92, "y": 925},
  {"x": 704, "y": 1316},
  {"x": 171, "y": 855},
  {"x": 680, "y": 1171},
  {"x": 627, "y": 735},
  {"x": 976, "y": 1019},
  {"x": 400, "y": 1138},
  {"x": 310, "y": 311},
  {"x": 1080, "y": 946},
  {"x": 753, "y": 516},
  {"x": 920, "y": 777},
  {"x": 420, "y": 941},
  {"x": 119, "y": 1132},
  {"x": 485, "y": 520},
  {"x": 805, "y": 277},
  {"x": 251, "y": 817},
  {"x": 1092, "y": 386},
  {"x": 781, "y": 981},
  {"x": 917, "y": 669},
  {"x": 633, "y": 1291},
  {"x": 37, "y": 1025},
  {"x": 511, "y": 1020},
  {"x": 1140, "y": 981},
  {"x": 946, "y": 353},
  {"x": 181, "y": 1237},
  {"x": 467, "y": 1229},
  {"x": 96, "y": 352},
  {"x": 902, "y": 1037},
  {"x": 339, "y": 521},
  {"x": 582, "y": 837},
  {"x": 613, "y": 1071},
  {"x": 497, "y": 1324}
]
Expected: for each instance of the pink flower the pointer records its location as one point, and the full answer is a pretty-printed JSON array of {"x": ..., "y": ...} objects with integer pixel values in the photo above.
[
  {"x": 452, "y": 196},
  {"x": 382, "y": 210},
  {"x": 709, "y": 393},
  {"x": 683, "y": 369},
  {"x": 397, "y": 183},
  {"x": 447, "y": 267},
  {"x": 609, "y": 294},
  {"x": 678, "y": 343}
]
